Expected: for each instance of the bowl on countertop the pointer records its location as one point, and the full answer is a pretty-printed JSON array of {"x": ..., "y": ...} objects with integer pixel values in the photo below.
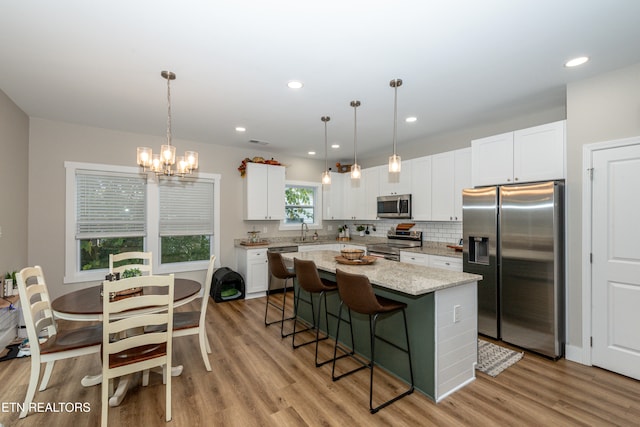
[{"x": 352, "y": 254}]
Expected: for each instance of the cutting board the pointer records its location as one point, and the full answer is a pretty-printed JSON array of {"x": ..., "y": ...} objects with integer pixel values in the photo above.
[{"x": 405, "y": 226}]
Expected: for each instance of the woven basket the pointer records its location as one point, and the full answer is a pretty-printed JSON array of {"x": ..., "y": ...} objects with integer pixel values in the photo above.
[{"x": 352, "y": 254}]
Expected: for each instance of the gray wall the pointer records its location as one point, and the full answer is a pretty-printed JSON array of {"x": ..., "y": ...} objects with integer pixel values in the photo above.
[
  {"x": 599, "y": 109},
  {"x": 14, "y": 169},
  {"x": 52, "y": 143}
]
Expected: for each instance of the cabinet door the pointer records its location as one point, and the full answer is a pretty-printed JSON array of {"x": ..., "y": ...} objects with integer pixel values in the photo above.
[
  {"x": 275, "y": 191},
  {"x": 442, "y": 170},
  {"x": 395, "y": 183},
  {"x": 369, "y": 205},
  {"x": 255, "y": 191},
  {"x": 354, "y": 192},
  {"x": 421, "y": 188},
  {"x": 332, "y": 199},
  {"x": 257, "y": 276},
  {"x": 538, "y": 153},
  {"x": 492, "y": 160},
  {"x": 461, "y": 179}
]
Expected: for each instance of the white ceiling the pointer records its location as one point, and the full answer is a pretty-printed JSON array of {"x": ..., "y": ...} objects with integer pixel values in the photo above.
[{"x": 463, "y": 63}]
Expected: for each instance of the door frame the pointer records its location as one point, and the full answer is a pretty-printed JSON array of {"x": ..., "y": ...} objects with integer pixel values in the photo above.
[{"x": 587, "y": 219}]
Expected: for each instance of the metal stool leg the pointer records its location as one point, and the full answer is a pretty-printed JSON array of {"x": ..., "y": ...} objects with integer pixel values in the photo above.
[{"x": 277, "y": 307}]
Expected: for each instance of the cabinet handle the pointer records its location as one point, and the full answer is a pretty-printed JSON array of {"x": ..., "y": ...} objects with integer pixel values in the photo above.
[{"x": 516, "y": 179}]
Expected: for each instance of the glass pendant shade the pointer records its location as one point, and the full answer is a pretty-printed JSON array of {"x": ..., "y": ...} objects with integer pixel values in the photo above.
[
  {"x": 356, "y": 172},
  {"x": 168, "y": 153},
  {"x": 192, "y": 159},
  {"x": 144, "y": 157},
  {"x": 395, "y": 163},
  {"x": 326, "y": 178},
  {"x": 156, "y": 164}
]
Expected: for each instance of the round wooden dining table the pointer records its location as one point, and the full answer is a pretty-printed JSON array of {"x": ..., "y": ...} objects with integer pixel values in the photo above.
[{"x": 86, "y": 305}]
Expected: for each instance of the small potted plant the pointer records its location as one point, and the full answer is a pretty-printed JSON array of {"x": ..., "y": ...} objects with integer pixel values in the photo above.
[{"x": 360, "y": 229}]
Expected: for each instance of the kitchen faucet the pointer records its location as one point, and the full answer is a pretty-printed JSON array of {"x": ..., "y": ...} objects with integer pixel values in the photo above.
[{"x": 303, "y": 235}]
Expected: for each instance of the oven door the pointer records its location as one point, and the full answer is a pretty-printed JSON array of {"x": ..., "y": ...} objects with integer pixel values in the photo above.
[{"x": 378, "y": 253}]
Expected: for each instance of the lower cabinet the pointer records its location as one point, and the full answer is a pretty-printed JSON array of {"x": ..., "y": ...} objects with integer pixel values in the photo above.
[
  {"x": 254, "y": 267},
  {"x": 435, "y": 261}
]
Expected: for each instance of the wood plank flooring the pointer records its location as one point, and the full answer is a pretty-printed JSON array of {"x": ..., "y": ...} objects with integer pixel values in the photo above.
[{"x": 258, "y": 380}]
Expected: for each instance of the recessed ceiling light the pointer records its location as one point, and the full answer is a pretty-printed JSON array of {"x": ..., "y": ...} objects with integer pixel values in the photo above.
[
  {"x": 410, "y": 119},
  {"x": 312, "y": 153},
  {"x": 335, "y": 145},
  {"x": 240, "y": 129},
  {"x": 576, "y": 61},
  {"x": 294, "y": 84}
]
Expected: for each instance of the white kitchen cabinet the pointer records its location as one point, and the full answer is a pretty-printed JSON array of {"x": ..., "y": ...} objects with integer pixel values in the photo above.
[
  {"x": 445, "y": 262},
  {"x": 369, "y": 203},
  {"x": 449, "y": 175},
  {"x": 333, "y": 197},
  {"x": 414, "y": 258},
  {"x": 353, "y": 198},
  {"x": 264, "y": 187},
  {"x": 395, "y": 183},
  {"x": 526, "y": 155},
  {"x": 421, "y": 188},
  {"x": 253, "y": 265}
]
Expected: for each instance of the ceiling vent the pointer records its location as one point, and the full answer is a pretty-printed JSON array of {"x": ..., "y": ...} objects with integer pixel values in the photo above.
[{"x": 256, "y": 141}]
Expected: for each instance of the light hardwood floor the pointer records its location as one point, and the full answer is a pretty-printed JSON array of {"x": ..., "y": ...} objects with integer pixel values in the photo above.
[{"x": 258, "y": 380}]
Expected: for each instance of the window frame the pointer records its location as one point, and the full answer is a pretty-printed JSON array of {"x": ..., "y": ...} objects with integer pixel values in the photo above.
[
  {"x": 73, "y": 272},
  {"x": 317, "y": 220}
]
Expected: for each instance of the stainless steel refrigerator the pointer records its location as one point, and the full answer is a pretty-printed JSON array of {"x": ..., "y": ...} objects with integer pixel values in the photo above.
[{"x": 514, "y": 237}]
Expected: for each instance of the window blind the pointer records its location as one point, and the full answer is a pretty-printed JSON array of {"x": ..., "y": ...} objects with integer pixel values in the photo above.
[
  {"x": 109, "y": 205},
  {"x": 186, "y": 208}
]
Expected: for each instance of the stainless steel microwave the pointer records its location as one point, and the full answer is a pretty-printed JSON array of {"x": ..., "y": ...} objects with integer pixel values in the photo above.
[{"x": 398, "y": 206}]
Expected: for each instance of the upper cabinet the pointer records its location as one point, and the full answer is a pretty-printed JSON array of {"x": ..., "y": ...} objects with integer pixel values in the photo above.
[
  {"x": 264, "y": 187},
  {"x": 333, "y": 196},
  {"x": 395, "y": 183},
  {"x": 449, "y": 175},
  {"x": 532, "y": 154},
  {"x": 421, "y": 188}
]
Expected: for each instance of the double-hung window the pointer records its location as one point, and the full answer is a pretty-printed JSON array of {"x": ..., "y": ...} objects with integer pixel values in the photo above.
[
  {"x": 303, "y": 204},
  {"x": 112, "y": 209}
]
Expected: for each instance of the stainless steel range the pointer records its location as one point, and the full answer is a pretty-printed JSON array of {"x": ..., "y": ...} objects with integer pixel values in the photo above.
[{"x": 397, "y": 240}]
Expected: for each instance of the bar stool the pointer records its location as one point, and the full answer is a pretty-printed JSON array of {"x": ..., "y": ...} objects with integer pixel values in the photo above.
[
  {"x": 357, "y": 294},
  {"x": 280, "y": 271},
  {"x": 310, "y": 281}
]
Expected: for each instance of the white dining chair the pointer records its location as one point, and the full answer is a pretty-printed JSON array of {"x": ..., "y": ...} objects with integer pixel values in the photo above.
[
  {"x": 127, "y": 345},
  {"x": 146, "y": 267},
  {"x": 193, "y": 322},
  {"x": 48, "y": 343}
]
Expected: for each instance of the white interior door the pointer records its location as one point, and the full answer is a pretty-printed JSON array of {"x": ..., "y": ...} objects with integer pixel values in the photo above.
[{"x": 616, "y": 260}]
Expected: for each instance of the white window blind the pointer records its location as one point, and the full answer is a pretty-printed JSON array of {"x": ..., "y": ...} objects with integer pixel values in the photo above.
[
  {"x": 186, "y": 208},
  {"x": 109, "y": 205}
]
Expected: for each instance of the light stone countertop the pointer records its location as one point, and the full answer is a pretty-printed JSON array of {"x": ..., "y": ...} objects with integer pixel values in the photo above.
[
  {"x": 397, "y": 276},
  {"x": 430, "y": 248}
]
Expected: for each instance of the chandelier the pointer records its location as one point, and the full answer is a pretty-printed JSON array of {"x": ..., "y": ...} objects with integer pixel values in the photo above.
[{"x": 166, "y": 163}]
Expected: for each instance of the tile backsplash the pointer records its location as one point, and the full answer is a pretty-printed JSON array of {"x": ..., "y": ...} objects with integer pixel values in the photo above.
[{"x": 447, "y": 231}]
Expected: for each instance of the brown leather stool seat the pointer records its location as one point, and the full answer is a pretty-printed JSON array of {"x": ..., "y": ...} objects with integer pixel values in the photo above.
[
  {"x": 279, "y": 270},
  {"x": 357, "y": 294},
  {"x": 310, "y": 281}
]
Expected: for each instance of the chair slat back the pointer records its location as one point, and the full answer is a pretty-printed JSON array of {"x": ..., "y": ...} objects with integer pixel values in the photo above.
[
  {"x": 36, "y": 306},
  {"x": 126, "y": 317},
  {"x": 146, "y": 268}
]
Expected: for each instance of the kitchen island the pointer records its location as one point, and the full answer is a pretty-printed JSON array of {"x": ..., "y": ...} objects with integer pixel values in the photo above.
[{"x": 441, "y": 315}]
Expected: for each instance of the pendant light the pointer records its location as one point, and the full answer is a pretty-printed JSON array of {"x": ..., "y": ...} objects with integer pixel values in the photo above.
[
  {"x": 163, "y": 163},
  {"x": 395, "y": 164},
  {"x": 326, "y": 176},
  {"x": 356, "y": 173}
]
